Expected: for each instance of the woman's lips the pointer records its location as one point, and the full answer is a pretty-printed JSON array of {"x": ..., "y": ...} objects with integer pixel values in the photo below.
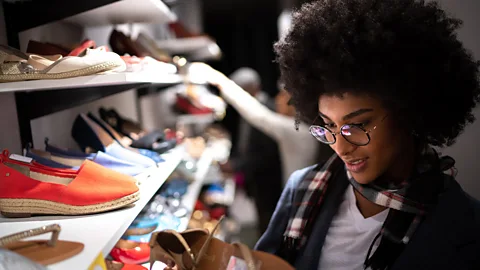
[{"x": 356, "y": 166}]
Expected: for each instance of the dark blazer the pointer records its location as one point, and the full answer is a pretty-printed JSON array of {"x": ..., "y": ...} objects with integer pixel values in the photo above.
[
  {"x": 448, "y": 239},
  {"x": 262, "y": 168}
]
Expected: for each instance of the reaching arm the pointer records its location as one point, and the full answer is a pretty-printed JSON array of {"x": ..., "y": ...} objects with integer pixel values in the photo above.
[{"x": 255, "y": 113}]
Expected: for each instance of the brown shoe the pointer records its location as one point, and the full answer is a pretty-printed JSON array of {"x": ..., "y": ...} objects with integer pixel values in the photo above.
[
  {"x": 197, "y": 250},
  {"x": 122, "y": 44}
]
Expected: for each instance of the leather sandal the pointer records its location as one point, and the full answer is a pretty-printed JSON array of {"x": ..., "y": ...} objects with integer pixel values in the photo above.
[
  {"x": 42, "y": 251},
  {"x": 198, "y": 251}
]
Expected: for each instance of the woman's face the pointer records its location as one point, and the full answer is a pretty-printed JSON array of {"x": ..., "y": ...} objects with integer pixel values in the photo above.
[{"x": 389, "y": 152}]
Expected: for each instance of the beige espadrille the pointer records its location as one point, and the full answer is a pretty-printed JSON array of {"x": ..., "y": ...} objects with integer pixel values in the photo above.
[{"x": 17, "y": 66}]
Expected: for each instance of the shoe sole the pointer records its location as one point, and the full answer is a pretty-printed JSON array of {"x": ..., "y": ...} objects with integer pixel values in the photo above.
[
  {"x": 139, "y": 231},
  {"x": 29, "y": 207},
  {"x": 96, "y": 69}
]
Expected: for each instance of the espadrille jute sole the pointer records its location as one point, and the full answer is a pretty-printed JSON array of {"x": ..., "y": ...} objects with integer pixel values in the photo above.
[
  {"x": 29, "y": 207},
  {"x": 62, "y": 75}
]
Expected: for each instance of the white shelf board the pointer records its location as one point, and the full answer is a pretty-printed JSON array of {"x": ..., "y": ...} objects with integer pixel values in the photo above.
[
  {"x": 91, "y": 81},
  {"x": 193, "y": 191},
  {"x": 98, "y": 232},
  {"x": 125, "y": 11}
]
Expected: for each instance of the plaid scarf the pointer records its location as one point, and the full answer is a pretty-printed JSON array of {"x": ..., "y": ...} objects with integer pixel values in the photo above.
[{"x": 408, "y": 203}]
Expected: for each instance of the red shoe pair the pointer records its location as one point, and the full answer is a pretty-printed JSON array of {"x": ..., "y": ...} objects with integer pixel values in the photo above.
[
  {"x": 28, "y": 188},
  {"x": 130, "y": 252}
]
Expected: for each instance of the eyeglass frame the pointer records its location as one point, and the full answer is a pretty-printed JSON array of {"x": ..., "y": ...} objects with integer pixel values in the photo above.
[{"x": 367, "y": 132}]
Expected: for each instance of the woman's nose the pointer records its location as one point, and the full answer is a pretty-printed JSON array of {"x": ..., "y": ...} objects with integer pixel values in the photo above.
[{"x": 343, "y": 147}]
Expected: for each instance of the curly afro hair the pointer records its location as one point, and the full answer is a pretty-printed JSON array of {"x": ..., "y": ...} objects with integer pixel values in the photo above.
[{"x": 405, "y": 52}]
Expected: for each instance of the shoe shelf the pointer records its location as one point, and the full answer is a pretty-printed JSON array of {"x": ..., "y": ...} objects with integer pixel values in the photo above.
[
  {"x": 127, "y": 78},
  {"x": 185, "y": 45},
  {"x": 37, "y": 99},
  {"x": 199, "y": 48},
  {"x": 193, "y": 191},
  {"x": 98, "y": 232},
  {"x": 85, "y": 13},
  {"x": 125, "y": 11}
]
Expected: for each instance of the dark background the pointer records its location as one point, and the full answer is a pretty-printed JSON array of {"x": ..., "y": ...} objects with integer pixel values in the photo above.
[{"x": 245, "y": 30}]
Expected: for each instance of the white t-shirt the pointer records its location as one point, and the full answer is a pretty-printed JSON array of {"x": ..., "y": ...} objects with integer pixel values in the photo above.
[{"x": 350, "y": 236}]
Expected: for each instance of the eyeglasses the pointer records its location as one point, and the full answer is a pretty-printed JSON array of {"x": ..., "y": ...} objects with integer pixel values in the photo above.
[{"x": 354, "y": 134}]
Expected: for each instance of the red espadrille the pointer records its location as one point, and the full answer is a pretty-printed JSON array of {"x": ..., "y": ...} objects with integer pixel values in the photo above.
[{"x": 27, "y": 190}]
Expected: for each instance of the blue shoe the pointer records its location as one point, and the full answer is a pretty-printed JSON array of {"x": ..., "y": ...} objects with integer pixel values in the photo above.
[
  {"x": 174, "y": 188},
  {"x": 65, "y": 152},
  {"x": 42, "y": 159},
  {"x": 166, "y": 222},
  {"x": 142, "y": 226},
  {"x": 118, "y": 138},
  {"x": 75, "y": 160},
  {"x": 88, "y": 134}
]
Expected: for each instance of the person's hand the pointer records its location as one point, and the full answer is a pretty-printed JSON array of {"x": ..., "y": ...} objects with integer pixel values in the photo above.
[{"x": 206, "y": 72}]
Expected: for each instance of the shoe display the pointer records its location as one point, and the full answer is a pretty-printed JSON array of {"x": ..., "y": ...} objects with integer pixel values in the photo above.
[
  {"x": 124, "y": 141},
  {"x": 142, "y": 225},
  {"x": 149, "y": 65},
  {"x": 74, "y": 163},
  {"x": 114, "y": 265},
  {"x": 89, "y": 134},
  {"x": 97, "y": 181},
  {"x": 41, "y": 48},
  {"x": 122, "y": 44},
  {"x": 185, "y": 105},
  {"x": 174, "y": 188},
  {"x": 27, "y": 190},
  {"x": 152, "y": 48},
  {"x": 121, "y": 124},
  {"x": 82, "y": 49},
  {"x": 123, "y": 186},
  {"x": 201, "y": 95},
  {"x": 180, "y": 31},
  {"x": 213, "y": 195},
  {"x": 157, "y": 213},
  {"x": 41, "y": 251},
  {"x": 201, "y": 219},
  {"x": 17, "y": 66},
  {"x": 155, "y": 140},
  {"x": 130, "y": 252}
]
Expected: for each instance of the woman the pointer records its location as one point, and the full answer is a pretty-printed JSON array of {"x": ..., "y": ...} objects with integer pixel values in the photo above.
[
  {"x": 297, "y": 147},
  {"x": 382, "y": 82}
]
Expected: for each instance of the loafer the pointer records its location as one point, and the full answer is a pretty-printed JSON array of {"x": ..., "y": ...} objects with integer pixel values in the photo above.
[{"x": 27, "y": 190}]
